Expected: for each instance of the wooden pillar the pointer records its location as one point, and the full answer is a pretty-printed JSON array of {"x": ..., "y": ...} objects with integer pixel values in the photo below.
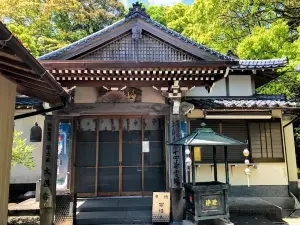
[
  {"x": 7, "y": 101},
  {"x": 176, "y": 167},
  {"x": 193, "y": 166},
  {"x": 215, "y": 163},
  {"x": 226, "y": 164},
  {"x": 49, "y": 170}
]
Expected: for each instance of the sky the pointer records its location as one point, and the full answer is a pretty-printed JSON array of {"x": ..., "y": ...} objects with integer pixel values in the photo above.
[{"x": 157, "y": 2}]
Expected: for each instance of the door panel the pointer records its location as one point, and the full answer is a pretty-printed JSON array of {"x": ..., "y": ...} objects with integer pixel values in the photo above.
[
  {"x": 154, "y": 169},
  {"x": 131, "y": 155},
  {"x": 108, "y": 180},
  {"x": 85, "y": 156},
  {"x": 108, "y": 157}
]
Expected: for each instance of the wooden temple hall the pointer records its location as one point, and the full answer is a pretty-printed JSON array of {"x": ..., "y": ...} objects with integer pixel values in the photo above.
[{"x": 130, "y": 84}]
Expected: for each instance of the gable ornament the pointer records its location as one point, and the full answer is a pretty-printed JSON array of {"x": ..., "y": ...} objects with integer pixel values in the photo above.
[{"x": 136, "y": 33}]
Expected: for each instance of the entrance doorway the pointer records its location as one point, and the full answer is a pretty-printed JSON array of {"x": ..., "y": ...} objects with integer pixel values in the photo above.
[{"x": 117, "y": 156}]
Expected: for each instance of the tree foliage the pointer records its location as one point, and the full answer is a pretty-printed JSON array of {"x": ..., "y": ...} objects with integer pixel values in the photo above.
[
  {"x": 22, "y": 152},
  {"x": 44, "y": 26},
  {"x": 251, "y": 29}
]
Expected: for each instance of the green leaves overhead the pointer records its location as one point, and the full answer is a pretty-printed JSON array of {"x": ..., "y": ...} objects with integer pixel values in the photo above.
[
  {"x": 251, "y": 29},
  {"x": 46, "y": 25}
]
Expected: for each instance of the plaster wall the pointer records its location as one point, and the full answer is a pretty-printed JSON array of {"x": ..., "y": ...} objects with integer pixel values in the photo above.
[
  {"x": 85, "y": 95},
  {"x": 239, "y": 85},
  {"x": 218, "y": 90},
  {"x": 19, "y": 173},
  {"x": 265, "y": 174}
]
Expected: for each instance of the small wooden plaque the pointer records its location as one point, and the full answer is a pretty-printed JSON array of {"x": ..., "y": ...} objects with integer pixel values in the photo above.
[{"x": 161, "y": 207}]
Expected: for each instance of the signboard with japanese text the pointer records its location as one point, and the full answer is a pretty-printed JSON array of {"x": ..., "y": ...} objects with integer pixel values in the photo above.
[
  {"x": 211, "y": 202},
  {"x": 48, "y": 163},
  {"x": 63, "y": 157},
  {"x": 161, "y": 207},
  {"x": 178, "y": 130}
]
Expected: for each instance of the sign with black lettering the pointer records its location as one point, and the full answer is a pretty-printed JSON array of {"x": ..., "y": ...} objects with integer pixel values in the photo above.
[{"x": 161, "y": 207}]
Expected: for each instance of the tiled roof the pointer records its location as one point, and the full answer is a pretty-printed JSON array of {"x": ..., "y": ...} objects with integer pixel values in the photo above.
[
  {"x": 119, "y": 23},
  {"x": 138, "y": 12},
  {"x": 252, "y": 102},
  {"x": 261, "y": 64},
  {"x": 24, "y": 101}
]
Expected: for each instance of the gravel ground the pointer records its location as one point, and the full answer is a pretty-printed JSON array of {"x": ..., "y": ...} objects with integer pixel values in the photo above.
[{"x": 23, "y": 220}]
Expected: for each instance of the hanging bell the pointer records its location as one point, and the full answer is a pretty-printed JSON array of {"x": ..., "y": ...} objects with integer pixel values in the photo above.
[{"x": 36, "y": 133}]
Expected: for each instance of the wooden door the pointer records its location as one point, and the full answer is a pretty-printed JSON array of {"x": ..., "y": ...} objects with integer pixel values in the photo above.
[{"x": 110, "y": 160}]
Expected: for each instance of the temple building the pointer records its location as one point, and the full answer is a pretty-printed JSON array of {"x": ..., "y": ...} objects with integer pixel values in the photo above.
[{"x": 137, "y": 86}]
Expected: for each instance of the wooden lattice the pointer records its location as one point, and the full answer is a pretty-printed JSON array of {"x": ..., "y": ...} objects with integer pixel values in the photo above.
[{"x": 148, "y": 48}]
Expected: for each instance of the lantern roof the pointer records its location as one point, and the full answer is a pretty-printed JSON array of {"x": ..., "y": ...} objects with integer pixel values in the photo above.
[{"x": 206, "y": 136}]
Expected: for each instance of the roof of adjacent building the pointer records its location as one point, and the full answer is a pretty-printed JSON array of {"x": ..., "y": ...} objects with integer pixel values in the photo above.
[
  {"x": 31, "y": 78},
  {"x": 27, "y": 102},
  {"x": 261, "y": 64},
  {"x": 251, "y": 102}
]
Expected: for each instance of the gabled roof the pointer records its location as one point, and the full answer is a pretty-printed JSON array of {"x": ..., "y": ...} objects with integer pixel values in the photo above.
[
  {"x": 19, "y": 66},
  {"x": 136, "y": 12}
]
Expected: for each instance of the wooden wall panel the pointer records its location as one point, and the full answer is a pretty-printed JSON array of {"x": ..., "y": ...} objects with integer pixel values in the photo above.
[{"x": 7, "y": 102}]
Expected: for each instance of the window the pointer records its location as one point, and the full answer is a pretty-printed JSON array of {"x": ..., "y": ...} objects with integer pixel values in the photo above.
[
  {"x": 236, "y": 129},
  {"x": 266, "y": 142}
]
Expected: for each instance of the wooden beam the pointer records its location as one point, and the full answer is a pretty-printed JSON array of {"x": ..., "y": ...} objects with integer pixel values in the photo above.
[
  {"x": 31, "y": 76},
  {"x": 14, "y": 63},
  {"x": 8, "y": 53},
  {"x": 92, "y": 64},
  {"x": 149, "y": 83},
  {"x": 19, "y": 79}
]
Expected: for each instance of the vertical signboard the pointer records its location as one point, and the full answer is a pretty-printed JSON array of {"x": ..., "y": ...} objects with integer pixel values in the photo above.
[
  {"x": 176, "y": 162},
  {"x": 63, "y": 157},
  {"x": 48, "y": 178}
]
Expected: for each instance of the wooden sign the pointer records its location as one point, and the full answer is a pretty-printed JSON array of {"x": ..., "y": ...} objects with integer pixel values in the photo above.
[{"x": 161, "y": 207}]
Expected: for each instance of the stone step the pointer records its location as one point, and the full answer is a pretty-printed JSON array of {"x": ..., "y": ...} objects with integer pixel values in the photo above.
[
  {"x": 114, "y": 204},
  {"x": 114, "y": 217}
]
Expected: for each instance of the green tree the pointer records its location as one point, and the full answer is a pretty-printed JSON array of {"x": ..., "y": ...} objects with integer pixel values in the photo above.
[
  {"x": 44, "y": 26},
  {"x": 22, "y": 152}
]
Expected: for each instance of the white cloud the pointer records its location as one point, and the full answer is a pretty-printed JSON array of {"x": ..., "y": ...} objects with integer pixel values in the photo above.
[{"x": 163, "y": 2}]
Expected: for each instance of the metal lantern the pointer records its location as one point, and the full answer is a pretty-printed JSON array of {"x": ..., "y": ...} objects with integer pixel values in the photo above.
[{"x": 36, "y": 133}]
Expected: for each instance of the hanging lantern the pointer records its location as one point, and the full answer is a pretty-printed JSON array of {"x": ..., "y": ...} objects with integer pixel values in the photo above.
[
  {"x": 36, "y": 133},
  {"x": 247, "y": 171},
  {"x": 247, "y": 162},
  {"x": 246, "y": 152},
  {"x": 188, "y": 161},
  {"x": 187, "y": 151}
]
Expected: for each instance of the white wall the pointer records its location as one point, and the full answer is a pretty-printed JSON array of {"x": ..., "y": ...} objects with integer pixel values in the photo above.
[
  {"x": 218, "y": 90},
  {"x": 85, "y": 95},
  {"x": 265, "y": 174},
  {"x": 19, "y": 173},
  {"x": 239, "y": 85}
]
